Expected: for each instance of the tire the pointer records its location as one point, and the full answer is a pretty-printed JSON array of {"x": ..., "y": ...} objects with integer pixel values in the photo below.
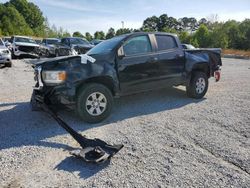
[
  {"x": 9, "y": 64},
  {"x": 47, "y": 54},
  {"x": 13, "y": 56},
  {"x": 57, "y": 53},
  {"x": 198, "y": 85},
  {"x": 94, "y": 103}
]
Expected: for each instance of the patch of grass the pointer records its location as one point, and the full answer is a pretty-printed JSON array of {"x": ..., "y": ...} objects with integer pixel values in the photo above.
[{"x": 236, "y": 52}]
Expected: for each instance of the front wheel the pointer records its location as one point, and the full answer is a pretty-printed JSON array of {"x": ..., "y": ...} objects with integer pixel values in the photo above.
[
  {"x": 13, "y": 56},
  {"x": 47, "y": 54},
  {"x": 198, "y": 85},
  {"x": 9, "y": 64},
  {"x": 94, "y": 103}
]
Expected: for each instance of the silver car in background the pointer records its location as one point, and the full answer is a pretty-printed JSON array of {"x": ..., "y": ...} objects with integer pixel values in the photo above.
[
  {"x": 5, "y": 55},
  {"x": 48, "y": 47},
  {"x": 24, "y": 46}
]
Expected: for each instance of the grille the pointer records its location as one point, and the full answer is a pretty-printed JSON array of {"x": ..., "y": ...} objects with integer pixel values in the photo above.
[
  {"x": 27, "y": 48},
  {"x": 81, "y": 50}
]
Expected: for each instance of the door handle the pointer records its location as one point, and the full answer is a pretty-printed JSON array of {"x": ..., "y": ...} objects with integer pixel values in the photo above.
[
  {"x": 178, "y": 56},
  {"x": 153, "y": 60}
]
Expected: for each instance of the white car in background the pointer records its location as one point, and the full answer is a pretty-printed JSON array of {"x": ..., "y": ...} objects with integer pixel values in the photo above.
[
  {"x": 5, "y": 55},
  {"x": 24, "y": 46}
]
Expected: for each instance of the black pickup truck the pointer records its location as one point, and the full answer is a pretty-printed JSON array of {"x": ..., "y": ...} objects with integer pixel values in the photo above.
[{"x": 120, "y": 66}]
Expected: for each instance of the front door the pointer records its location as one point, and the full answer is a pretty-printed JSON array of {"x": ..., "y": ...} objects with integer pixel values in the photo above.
[{"x": 138, "y": 67}]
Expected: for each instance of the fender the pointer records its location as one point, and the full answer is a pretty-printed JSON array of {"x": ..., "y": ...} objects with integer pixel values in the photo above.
[{"x": 208, "y": 60}]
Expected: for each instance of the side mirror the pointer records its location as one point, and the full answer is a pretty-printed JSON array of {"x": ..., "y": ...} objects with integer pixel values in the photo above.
[{"x": 120, "y": 52}]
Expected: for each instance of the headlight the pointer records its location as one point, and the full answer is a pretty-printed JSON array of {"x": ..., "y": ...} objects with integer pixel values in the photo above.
[
  {"x": 54, "y": 77},
  {"x": 4, "y": 52}
]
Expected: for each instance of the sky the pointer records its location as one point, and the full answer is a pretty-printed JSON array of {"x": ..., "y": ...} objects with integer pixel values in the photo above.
[{"x": 97, "y": 15}]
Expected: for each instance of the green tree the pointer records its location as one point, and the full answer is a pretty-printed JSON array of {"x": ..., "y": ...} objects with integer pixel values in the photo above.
[
  {"x": 99, "y": 35},
  {"x": 78, "y": 34},
  {"x": 194, "y": 42},
  {"x": 123, "y": 31},
  {"x": 52, "y": 32},
  {"x": 231, "y": 28},
  {"x": 162, "y": 22},
  {"x": 151, "y": 24},
  {"x": 244, "y": 27},
  {"x": 184, "y": 37},
  {"x": 88, "y": 36},
  {"x": 202, "y": 36},
  {"x": 66, "y": 34},
  {"x": 219, "y": 38},
  {"x": 111, "y": 33},
  {"x": 169, "y": 30},
  {"x": 12, "y": 22},
  {"x": 31, "y": 13}
]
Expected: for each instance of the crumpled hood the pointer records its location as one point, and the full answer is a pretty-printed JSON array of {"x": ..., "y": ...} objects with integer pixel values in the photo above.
[
  {"x": 26, "y": 44},
  {"x": 99, "y": 59}
]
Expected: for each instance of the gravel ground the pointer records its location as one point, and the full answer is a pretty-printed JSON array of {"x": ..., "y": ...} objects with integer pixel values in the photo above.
[{"x": 170, "y": 140}]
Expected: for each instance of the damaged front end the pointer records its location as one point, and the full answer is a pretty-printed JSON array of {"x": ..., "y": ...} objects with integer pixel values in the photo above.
[
  {"x": 26, "y": 51},
  {"x": 44, "y": 93}
]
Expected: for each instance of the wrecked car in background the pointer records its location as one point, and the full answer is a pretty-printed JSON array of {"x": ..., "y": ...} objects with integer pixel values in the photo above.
[
  {"x": 121, "y": 66},
  {"x": 72, "y": 46},
  {"x": 23, "y": 46},
  {"x": 96, "y": 41},
  {"x": 5, "y": 55},
  {"x": 48, "y": 47}
]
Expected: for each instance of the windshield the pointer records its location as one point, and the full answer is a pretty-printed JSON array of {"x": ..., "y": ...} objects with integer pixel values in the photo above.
[
  {"x": 106, "y": 46},
  {"x": 78, "y": 41},
  {"x": 54, "y": 41},
  {"x": 1, "y": 42},
  {"x": 28, "y": 40}
]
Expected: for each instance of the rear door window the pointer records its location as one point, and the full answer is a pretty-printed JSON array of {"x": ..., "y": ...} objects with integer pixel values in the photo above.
[{"x": 165, "y": 42}]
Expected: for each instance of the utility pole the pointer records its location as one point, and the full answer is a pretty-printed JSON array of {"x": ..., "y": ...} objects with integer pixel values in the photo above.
[{"x": 122, "y": 24}]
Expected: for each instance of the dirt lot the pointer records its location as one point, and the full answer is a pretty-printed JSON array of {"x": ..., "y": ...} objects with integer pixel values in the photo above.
[{"x": 170, "y": 140}]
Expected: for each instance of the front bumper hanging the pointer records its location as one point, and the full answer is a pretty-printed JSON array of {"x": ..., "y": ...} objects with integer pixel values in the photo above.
[{"x": 93, "y": 150}]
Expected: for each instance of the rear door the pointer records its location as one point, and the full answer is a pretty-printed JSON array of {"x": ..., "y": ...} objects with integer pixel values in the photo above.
[
  {"x": 171, "y": 59},
  {"x": 137, "y": 68}
]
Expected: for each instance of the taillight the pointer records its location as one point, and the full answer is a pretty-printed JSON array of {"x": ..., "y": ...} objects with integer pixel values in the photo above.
[{"x": 217, "y": 75}]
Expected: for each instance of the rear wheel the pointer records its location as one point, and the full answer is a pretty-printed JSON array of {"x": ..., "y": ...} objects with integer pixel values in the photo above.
[
  {"x": 94, "y": 103},
  {"x": 198, "y": 85}
]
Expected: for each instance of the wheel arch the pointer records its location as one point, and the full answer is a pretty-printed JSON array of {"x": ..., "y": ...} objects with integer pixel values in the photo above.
[
  {"x": 202, "y": 67},
  {"x": 104, "y": 80}
]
